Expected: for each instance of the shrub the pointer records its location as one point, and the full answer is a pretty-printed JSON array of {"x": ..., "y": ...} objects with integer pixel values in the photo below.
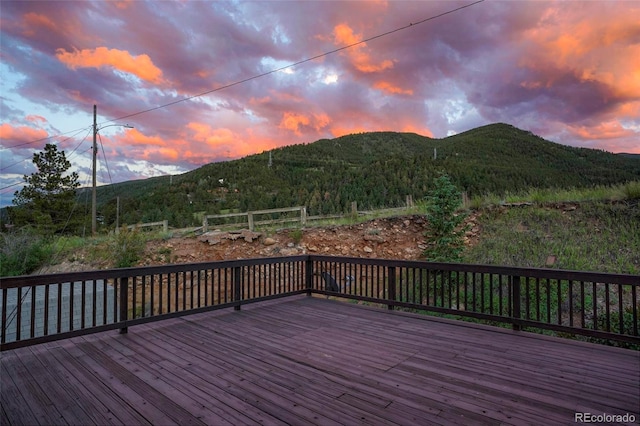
[
  {"x": 127, "y": 247},
  {"x": 631, "y": 191},
  {"x": 22, "y": 252},
  {"x": 296, "y": 235}
]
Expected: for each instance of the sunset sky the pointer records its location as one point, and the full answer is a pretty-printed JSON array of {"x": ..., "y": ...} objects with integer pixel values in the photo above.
[{"x": 196, "y": 80}]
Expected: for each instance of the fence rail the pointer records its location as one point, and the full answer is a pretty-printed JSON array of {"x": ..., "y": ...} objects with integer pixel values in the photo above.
[
  {"x": 251, "y": 218},
  {"x": 36, "y": 309}
]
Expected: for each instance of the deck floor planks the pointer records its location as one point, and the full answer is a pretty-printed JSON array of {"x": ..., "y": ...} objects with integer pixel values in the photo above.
[
  {"x": 312, "y": 361},
  {"x": 202, "y": 381},
  {"x": 36, "y": 398},
  {"x": 12, "y": 400},
  {"x": 58, "y": 379},
  {"x": 107, "y": 373},
  {"x": 78, "y": 376},
  {"x": 178, "y": 391}
]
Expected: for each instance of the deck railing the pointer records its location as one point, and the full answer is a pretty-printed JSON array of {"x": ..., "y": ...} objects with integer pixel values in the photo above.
[{"x": 42, "y": 308}]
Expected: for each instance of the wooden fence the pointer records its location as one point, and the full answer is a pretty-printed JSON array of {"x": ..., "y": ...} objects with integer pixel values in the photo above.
[
  {"x": 251, "y": 221},
  {"x": 42, "y": 308}
]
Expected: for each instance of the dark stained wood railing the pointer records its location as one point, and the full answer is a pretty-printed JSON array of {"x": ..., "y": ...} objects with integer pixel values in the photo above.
[
  {"x": 43, "y": 308},
  {"x": 37, "y": 309},
  {"x": 598, "y": 305}
]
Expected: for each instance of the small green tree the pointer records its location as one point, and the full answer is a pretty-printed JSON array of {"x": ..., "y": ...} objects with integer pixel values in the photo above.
[
  {"x": 445, "y": 234},
  {"x": 47, "y": 200}
]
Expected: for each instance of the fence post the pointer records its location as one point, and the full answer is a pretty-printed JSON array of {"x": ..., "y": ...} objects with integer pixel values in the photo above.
[
  {"x": 354, "y": 209},
  {"x": 205, "y": 223},
  {"x": 237, "y": 287},
  {"x": 165, "y": 225},
  {"x": 303, "y": 216},
  {"x": 124, "y": 302},
  {"x": 250, "y": 220},
  {"x": 308, "y": 278},
  {"x": 515, "y": 302},
  {"x": 409, "y": 201},
  {"x": 392, "y": 285}
]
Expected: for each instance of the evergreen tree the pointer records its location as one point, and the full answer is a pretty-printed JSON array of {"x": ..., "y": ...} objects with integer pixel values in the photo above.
[
  {"x": 47, "y": 200},
  {"x": 445, "y": 234}
]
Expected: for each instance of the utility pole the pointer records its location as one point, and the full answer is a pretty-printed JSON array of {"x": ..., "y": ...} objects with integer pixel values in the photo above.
[{"x": 95, "y": 154}]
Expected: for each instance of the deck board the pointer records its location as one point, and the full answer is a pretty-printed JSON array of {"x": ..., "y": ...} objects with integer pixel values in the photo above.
[{"x": 312, "y": 361}]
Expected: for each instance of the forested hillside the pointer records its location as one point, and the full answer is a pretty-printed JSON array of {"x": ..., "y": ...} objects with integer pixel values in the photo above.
[{"x": 374, "y": 169}]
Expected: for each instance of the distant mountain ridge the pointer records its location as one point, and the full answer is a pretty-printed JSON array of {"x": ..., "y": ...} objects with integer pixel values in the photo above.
[{"x": 376, "y": 169}]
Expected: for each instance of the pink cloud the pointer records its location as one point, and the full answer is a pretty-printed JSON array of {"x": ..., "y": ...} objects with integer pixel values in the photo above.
[
  {"x": 20, "y": 134},
  {"x": 360, "y": 59},
  {"x": 140, "y": 65}
]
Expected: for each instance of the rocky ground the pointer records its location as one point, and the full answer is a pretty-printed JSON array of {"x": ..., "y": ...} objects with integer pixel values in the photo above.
[
  {"x": 400, "y": 237},
  {"x": 392, "y": 238}
]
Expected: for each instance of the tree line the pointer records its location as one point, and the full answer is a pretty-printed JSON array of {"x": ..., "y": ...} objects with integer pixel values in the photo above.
[{"x": 376, "y": 170}]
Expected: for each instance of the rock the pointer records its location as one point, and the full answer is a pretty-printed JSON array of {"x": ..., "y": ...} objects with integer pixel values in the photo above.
[
  {"x": 269, "y": 241},
  {"x": 288, "y": 251},
  {"x": 290, "y": 245},
  {"x": 312, "y": 248},
  {"x": 367, "y": 249},
  {"x": 375, "y": 238}
]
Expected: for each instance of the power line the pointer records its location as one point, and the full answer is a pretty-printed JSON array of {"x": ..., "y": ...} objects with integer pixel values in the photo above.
[
  {"x": 226, "y": 86},
  {"x": 44, "y": 139},
  {"x": 68, "y": 158},
  {"x": 245, "y": 80},
  {"x": 50, "y": 137}
]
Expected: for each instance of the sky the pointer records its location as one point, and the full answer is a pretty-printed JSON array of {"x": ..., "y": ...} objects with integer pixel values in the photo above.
[{"x": 204, "y": 81}]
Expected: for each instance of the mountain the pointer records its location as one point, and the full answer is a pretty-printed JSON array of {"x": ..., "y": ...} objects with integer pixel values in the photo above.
[{"x": 374, "y": 169}]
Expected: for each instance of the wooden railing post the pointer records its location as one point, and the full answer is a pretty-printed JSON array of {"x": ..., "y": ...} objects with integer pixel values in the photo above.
[
  {"x": 308, "y": 278},
  {"x": 515, "y": 302},
  {"x": 237, "y": 287},
  {"x": 205, "y": 223},
  {"x": 303, "y": 216},
  {"x": 124, "y": 302},
  {"x": 392, "y": 285}
]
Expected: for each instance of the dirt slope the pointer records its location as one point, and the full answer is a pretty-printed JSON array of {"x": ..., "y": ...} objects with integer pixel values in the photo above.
[{"x": 392, "y": 238}]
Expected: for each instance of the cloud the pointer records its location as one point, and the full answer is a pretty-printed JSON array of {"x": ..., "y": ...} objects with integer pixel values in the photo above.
[
  {"x": 34, "y": 21},
  {"x": 360, "y": 59},
  {"x": 296, "y": 122},
  {"x": 388, "y": 87},
  {"x": 141, "y": 65},
  {"x": 568, "y": 73},
  {"x": 13, "y": 135}
]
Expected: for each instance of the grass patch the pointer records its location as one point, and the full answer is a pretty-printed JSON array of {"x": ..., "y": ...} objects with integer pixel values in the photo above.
[{"x": 596, "y": 236}]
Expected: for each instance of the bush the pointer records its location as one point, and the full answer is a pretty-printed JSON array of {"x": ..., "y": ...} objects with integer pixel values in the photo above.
[
  {"x": 127, "y": 247},
  {"x": 22, "y": 252},
  {"x": 631, "y": 190}
]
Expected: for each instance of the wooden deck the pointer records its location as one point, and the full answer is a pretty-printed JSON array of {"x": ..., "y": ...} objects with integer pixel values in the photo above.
[{"x": 307, "y": 360}]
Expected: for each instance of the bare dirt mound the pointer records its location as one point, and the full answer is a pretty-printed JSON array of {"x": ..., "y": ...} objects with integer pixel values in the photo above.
[{"x": 392, "y": 238}]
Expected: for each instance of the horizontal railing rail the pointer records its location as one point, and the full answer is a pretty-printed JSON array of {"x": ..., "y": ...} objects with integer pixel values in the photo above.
[
  {"x": 598, "y": 305},
  {"x": 41, "y": 308}
]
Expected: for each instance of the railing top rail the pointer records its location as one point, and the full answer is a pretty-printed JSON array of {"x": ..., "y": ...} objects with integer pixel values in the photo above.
[
  {"x": 27, "y": 280},
  {"x": 491, "y": 269}
]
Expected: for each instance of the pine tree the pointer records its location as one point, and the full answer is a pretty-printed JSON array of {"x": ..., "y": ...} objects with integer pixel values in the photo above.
[
  {"x": 445, "y": 236},
  {"x": 47, "y": 200}
]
